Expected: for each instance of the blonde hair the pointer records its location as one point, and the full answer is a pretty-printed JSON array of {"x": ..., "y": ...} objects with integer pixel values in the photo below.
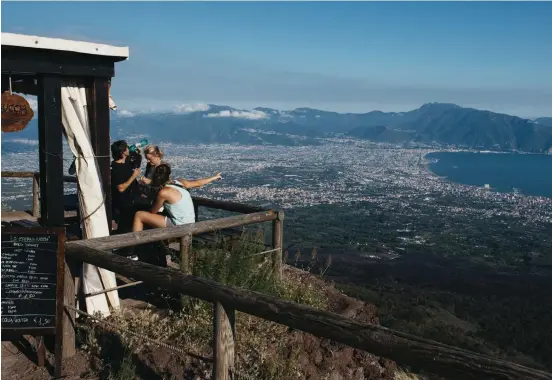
[{"x": 155, "y": 150}]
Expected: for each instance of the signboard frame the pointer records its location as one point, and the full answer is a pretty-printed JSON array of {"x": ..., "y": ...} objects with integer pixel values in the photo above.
[{"x": 60, "y": 234}]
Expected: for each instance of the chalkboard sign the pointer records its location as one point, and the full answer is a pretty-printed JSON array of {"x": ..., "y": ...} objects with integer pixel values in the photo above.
[{"x": 33, "y": 266}]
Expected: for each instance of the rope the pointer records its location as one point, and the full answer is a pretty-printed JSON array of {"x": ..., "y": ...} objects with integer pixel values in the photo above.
[
  {"x": 60, "y": 155},
  {"x": 95, "y": 210}
]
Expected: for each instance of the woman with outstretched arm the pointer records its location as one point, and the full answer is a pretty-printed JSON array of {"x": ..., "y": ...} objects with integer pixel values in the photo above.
[
  {"x": 194, "y": 183},
  {"x": 173, "y": 198}
]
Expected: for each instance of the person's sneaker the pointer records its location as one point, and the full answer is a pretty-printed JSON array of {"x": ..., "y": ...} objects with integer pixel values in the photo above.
[{"x": 133, "y": 257}]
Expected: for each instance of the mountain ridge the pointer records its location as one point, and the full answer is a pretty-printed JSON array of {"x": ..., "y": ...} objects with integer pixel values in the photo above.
[{"x": 433, "y": 123}]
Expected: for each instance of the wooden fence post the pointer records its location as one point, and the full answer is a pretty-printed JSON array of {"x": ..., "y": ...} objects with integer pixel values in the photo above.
[
  {"x": 36, "y": 196},
  {"x": 223, "y": 342},
  {"x": 196, "y": 211},
  {"x": 277, "y": 242},
  {"x": 69, "y": 295},
  {"x": 185, "y": 248}
]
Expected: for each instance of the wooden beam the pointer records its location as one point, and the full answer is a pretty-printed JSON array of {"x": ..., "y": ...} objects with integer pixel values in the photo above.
[
  {"x": 227, "y": 206},
  {"x": 24, "y": 61},
  {"x": 405, "y": 349},
  {"x": 50, "y": 150},
  {"x": 136, "y": 238},
  {"x": 224, "y": 326},
  {"x": 100, "y": 136}
]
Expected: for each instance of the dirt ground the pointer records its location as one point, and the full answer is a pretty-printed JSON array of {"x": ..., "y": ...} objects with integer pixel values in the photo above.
[{"x": 19, "y": 361}]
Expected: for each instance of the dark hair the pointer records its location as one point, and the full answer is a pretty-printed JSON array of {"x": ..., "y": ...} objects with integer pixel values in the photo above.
[
  {"x": 161, "y": 175},
  {"x": 118, "y": 148}
]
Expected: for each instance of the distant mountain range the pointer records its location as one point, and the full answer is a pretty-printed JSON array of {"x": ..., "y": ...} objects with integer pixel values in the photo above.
[{"x": 433, "y": 123}]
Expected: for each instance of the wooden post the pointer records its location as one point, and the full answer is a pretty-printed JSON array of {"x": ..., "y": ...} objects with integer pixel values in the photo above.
[
  {"x": 69, "y": 315},
  {"x": 277, "y": 243},
  {"x": 99, "y": 136},
  {"x": 223, "y": 342},
  {"x": 185, "y": 248},
  {"x": 40, "y": 351},
  {"x": 196, "y": 211},
  {"x": 36, "y": 195},
  {"x": 50, "y": 151}
]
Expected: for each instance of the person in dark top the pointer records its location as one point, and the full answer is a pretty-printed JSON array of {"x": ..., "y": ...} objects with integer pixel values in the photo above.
[{"x": 124, "y": 187}]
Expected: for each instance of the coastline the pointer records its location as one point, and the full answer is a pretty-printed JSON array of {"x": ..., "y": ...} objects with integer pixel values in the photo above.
[{"x": 516, "y": 188}]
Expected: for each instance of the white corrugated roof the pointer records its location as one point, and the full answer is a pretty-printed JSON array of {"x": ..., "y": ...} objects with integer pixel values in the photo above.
[{"x": 36, "y": 42}]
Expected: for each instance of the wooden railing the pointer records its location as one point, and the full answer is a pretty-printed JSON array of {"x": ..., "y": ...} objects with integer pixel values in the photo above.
[
  {"x": 36, "y": 194},
  {"x": 404, "y": 349},
  {"x": 185, "y": 241}
]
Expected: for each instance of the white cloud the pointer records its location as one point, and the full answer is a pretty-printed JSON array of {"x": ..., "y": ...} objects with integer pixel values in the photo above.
[
  {"x": 125, "y": 113},
  {"x": 34, "y": 104},
  {"x": 188, "y": 108},
  {"x": 250, "y": 115}
]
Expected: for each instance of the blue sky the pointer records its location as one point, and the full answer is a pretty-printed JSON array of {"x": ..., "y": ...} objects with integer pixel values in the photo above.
[{"x": 339, "y": 56}]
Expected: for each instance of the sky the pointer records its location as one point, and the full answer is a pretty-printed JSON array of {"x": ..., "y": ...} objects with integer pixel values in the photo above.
[{"x": 345, "y": 57}]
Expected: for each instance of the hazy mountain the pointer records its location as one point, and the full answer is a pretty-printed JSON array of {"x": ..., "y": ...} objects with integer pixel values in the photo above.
[
  {"x": 437, "y": 123},
  {"x": 544, "y": 120}
]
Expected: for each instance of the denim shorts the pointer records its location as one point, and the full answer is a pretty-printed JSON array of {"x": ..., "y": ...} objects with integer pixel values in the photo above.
[{"x": 169, "y": 222}]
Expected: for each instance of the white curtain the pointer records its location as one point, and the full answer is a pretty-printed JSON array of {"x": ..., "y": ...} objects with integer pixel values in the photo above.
[{"x": 91, "y": 199}]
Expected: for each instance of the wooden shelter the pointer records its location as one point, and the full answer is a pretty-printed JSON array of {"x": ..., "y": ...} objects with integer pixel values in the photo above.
[{"x": 38, "y": 66}]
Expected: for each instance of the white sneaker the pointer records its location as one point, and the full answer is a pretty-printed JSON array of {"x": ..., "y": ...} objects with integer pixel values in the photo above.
[{"x": 133, "y": 257}]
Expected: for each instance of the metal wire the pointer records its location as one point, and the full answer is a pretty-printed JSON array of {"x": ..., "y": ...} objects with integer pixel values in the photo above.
[{"x": 139, "y": 336}]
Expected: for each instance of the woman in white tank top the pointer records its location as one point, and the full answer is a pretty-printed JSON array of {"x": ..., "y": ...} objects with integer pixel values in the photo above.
[{"x": 175, "y": 200}]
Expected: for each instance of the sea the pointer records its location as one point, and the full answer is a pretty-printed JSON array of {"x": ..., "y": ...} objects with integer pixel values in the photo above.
[{"x": 528, "y": 174}]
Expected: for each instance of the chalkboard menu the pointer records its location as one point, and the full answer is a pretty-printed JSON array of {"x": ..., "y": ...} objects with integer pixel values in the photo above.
[{"x": 32, "y": 279}]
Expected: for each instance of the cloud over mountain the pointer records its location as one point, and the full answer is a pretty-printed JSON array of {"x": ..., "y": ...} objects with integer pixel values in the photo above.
[
  {"x": 249, "y": 115},
  {"x": 187, "y": 108}
]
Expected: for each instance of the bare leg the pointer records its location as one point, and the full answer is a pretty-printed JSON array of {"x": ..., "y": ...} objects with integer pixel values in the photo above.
[{"x": 142, "y": 218}]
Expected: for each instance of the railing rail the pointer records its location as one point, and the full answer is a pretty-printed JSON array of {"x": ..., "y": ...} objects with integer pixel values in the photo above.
[{"x": 10, "y": 174}]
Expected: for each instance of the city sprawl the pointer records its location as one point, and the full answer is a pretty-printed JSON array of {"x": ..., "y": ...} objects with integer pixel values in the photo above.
[{"x": 344, "y": 194}]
